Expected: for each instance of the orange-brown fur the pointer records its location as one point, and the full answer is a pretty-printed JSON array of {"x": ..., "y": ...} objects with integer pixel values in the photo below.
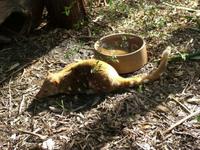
[{"x": 94, "y": 76}]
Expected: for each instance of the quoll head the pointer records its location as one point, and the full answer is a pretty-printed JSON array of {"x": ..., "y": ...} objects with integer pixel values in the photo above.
[{"x": 49, "y": 87}]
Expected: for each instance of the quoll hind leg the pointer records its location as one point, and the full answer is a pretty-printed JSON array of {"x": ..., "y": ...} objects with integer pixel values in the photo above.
[{"x": 157, "y": 72}]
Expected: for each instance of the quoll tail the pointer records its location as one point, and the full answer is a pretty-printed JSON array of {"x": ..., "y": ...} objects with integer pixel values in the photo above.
[
  {"x": 156, "y": 73},
  {"x": 153, "y": 75}
]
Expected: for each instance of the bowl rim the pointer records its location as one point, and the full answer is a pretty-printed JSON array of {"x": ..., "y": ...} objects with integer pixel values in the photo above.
[{"x": 115, "y": 34}]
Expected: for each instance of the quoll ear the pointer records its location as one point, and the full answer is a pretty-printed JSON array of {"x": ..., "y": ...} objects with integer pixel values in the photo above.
[
  {"x": 55, "y": 82},
  {"x": 52, "y": 78},
  {"x": 49, "y": 74}
]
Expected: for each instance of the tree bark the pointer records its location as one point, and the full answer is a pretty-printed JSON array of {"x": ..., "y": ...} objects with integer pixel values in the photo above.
[
  {"x": 21, "y": 15},
  {"x": 65, "y": 13}
]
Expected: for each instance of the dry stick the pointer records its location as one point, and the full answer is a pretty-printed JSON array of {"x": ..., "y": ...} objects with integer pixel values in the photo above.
[
  {"x": 182, "y": 105},
  {"x": 22, "y": 67},
  {"x": 87, "y": 37},
  {"x": 103, "y": 25},
  {"x": 10, "y": 100},
  {"x": 181, "y": 121},
  {"x": 180, "y": 7},
  {"x": 21, "y": 105},
  {"x": 5, "y": 49},
  {"x": 188, "y": 84},
  {"x": 28, "y": 40},
  {"x": 42, "y": 137}
]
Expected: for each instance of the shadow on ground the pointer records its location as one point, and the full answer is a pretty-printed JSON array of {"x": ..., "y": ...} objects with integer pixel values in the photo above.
[
  {"x": 184, "y": 39},
  {"x": 118, "y": 111},
  {"x": 24, "y": 51}
]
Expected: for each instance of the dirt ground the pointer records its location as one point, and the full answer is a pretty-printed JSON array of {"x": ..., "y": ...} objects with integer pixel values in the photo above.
[{"x": 135, "y": 118}]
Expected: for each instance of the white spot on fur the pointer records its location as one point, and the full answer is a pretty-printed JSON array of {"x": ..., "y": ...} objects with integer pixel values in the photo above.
[
  {"x": 69, "y": 88},
  {"x": 90, "y": 84},
  {"x": 131, "y": 83},
  {"x": 115, "y": 83},
  {"x": 146, "y": 80},
  {"x": 90, "y": 91},
  {"x": 112, "y": 73}
]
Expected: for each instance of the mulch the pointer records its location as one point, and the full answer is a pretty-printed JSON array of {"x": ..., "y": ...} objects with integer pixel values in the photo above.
[{"x": 134, "y": 118}]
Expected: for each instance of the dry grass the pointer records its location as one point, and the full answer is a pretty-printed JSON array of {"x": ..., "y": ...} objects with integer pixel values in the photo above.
[{"x": 131, "y": 119}]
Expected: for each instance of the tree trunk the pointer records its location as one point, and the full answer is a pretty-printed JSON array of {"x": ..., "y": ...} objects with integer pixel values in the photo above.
[
  {"x": 65, "y": 13},
  {"x": 20, "y": 15}
]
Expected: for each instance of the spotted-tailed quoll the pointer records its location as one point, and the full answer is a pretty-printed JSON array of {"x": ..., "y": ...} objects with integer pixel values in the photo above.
[{"x": 94, "y": 77}]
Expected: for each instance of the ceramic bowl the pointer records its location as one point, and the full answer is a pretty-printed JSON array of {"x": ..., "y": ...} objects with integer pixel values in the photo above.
[{"x": 125, "y": 52}]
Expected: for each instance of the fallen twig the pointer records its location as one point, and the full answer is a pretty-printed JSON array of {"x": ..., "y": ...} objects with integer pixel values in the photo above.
[
  {"x": 21, "y": 105},
  {"x": 28, "y": 40},
  {"x": 185, "y": 133},
  {"x": 19, "y": 69},
  {"x": 5, "y": 49},
  {"x": 181, "y": 7},
  {"x": 178, "y": 102},
  {"x": 104, "y": 25},
  {"x": 188, "y": 85},
  {"x": 183, "y": 57},
  {"x": 42, "y": 137},
  {"x": 84, "y": 37},
  {"x": 10, "y": 100},
  {"x": 181, "y": 121}
]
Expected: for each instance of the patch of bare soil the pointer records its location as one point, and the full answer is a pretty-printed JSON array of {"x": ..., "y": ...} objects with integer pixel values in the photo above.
[{"x": 135, "y": 118}]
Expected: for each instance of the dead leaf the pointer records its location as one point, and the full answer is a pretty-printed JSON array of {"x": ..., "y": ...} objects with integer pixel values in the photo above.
[
  {"x": 194, "y": 100},
  {"x": 162, "y": 108},
  {"x": 179, "y": 73},
  {"x": 13, "y": 67}
]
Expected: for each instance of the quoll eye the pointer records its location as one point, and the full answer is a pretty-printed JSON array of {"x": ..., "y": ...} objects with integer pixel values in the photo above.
[{"x": 45, "y": 90}]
